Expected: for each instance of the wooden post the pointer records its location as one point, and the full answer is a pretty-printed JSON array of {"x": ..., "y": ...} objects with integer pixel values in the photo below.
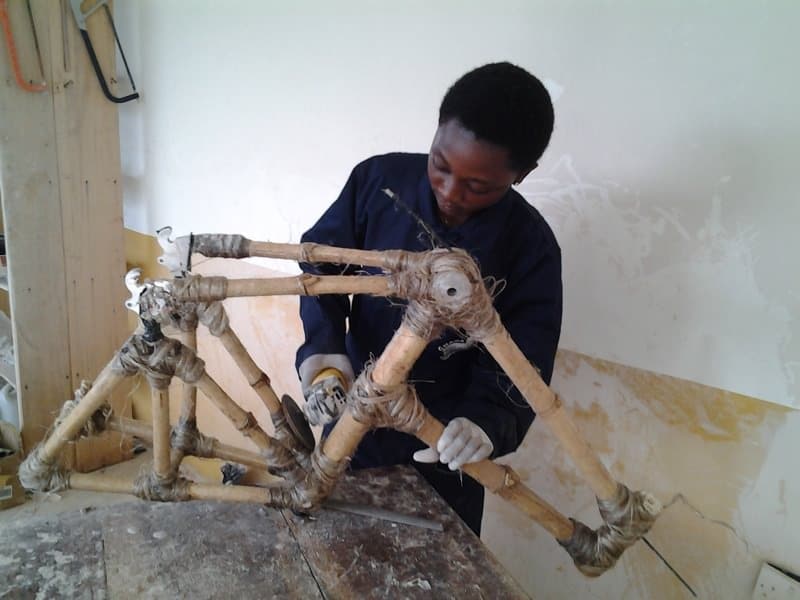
[{"x": 62, "y": 202}]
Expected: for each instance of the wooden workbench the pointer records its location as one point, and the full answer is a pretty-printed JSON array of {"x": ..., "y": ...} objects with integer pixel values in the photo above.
[{"x": 215, "y": 550}]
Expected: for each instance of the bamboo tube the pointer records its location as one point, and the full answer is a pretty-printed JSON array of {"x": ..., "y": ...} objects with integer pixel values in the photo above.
[
  {"x": 221, "y": 451},
  {"x": 257, "y": 379},
  {"x": 505, "y": 482},
  {"x": 319, "y": 253},
  {"x": 229, "y": 493},
  {"x": 189, "y": 391},
  {"x": 309, "y": 285},
  {"x": 161, "y": 431},
  {"x": 243, "y": 421},
  {"x": 545, "y": 403},
  {"x": 103, "y": 386},
  {"x": 102, "y": 482},
  {"x": 131, "y": 427},
  {"x": 391, "y": 368},
  {"x": 188, "y": 338}
]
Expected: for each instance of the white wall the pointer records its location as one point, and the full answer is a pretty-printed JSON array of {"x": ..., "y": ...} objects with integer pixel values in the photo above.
[{"x": 670, "y": 180}]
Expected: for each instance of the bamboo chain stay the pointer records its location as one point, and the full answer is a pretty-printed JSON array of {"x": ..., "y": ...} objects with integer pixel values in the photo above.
[{"x": 443, "y": 288}]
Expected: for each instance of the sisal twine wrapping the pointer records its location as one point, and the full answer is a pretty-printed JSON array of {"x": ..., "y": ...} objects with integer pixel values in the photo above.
[
  {"x": 214, "y": 317},
  {"x": 628, "y": 516},
  {"x": 433, "y": 302},
  {"x": 308, "y": 493},
  {"x": 151, "y": 486},
  {"x": 374, "y": 405},
  {"x": 37, "y": 474},
  {"x": 187, "y": 438},
  {"x": 281, "y": 462},
  {"x": 220, "y": 245},
  {"x": 159, "y": 361},
  {"x": 194, "y": 288}
]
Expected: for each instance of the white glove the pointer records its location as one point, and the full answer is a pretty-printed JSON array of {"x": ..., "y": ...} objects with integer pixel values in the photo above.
[{"x": 461, "y": 442}]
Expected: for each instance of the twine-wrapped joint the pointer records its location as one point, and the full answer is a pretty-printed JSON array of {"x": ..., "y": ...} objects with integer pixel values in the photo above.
[
  {"x": 374, "y": 405},
  {"x": 151, "y": 486},
  {"x": 159, "y": 361},
  {"x": 308, "y": 493},
  {"x": 445, "y": 287},
  {"x": 628, "y": 516}
]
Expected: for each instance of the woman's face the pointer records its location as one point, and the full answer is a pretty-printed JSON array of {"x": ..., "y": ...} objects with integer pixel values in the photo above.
[{"x": 467, "y": 174}]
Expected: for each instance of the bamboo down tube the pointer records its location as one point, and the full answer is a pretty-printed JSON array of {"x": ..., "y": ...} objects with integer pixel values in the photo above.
[
  {"x": 104, "y": 385},
  {"x": 391, "y": 368}
]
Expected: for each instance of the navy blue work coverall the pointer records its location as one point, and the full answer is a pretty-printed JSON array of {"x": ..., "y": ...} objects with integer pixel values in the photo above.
[{"x": 510, "y": 240}]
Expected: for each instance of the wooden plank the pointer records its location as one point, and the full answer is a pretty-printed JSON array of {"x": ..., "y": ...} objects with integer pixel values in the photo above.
[
  {"x": 364, "y": 557},
  {"x": 29, "y": 185},
  {"x": 62, "y": 207},
  {"x": 87, "y": 141}
]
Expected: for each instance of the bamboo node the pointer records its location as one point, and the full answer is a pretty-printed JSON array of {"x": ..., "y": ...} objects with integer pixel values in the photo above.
[
  {"x": 549, "y": 410},
  {"x": 394, "y": 406}
]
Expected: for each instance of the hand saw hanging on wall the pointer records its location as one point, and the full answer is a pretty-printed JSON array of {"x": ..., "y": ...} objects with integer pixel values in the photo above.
[
  {"x": 23, "y": 83},
  {"x": 80, "y": 18}
]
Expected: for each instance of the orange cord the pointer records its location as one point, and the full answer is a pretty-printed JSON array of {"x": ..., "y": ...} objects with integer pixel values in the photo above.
[{"x": 12, "y": 53}]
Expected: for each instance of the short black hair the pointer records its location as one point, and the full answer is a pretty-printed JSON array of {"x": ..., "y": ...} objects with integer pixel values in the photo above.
[{"x": 503, "y": 104}]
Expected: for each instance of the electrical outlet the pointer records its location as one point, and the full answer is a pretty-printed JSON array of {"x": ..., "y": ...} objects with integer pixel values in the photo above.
[{"x": 773, "y": 584}]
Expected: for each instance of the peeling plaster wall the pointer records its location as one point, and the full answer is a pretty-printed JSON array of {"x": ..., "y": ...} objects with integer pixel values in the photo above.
[
  {"x": 725, "y": 453},
  {"x": 669, "y": 181}
]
